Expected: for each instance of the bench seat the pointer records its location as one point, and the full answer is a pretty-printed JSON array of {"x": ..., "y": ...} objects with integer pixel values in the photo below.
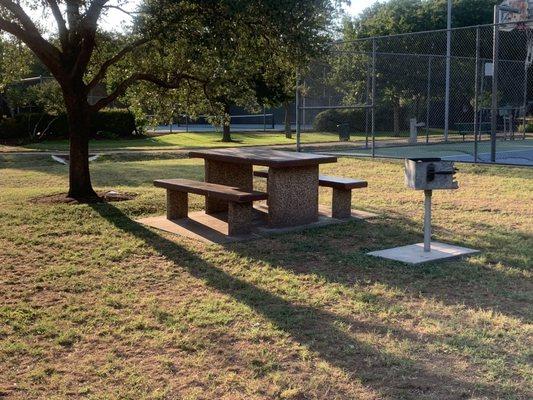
[
  {"x": 342, "y": 191},
  {"x": 221, "y": 192},
  {"x": 240, "y": 202},
  {"x": 330, "y": 181}
]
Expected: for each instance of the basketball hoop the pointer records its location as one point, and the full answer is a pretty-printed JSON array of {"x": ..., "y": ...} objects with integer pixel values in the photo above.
[{"x": 517, "y": 14}]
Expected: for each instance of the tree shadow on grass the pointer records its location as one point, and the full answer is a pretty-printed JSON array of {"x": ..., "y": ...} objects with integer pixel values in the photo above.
[
  {"x": 116, "y": 172},
  {"x": 458, "y": 282},
  {"x": 389, "y": 375}
]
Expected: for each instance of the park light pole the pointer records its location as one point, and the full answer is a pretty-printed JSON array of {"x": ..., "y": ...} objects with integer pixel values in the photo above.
[{"x": 448, "y": 71}]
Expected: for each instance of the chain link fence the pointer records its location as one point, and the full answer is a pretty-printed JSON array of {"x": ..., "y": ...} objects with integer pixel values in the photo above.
[{"x": 386, "y": 96}]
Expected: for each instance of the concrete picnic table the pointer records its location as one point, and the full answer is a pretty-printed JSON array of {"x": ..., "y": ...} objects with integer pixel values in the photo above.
[{"x": 292, "y": 180}]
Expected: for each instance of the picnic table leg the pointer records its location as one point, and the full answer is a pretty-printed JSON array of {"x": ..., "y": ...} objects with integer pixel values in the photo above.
[
  {"x": 177, "y": 204},
  {"x": 239, "y": 218},
  {"x": 229, "y": 174},
  {"x": 292, "y": 196}
]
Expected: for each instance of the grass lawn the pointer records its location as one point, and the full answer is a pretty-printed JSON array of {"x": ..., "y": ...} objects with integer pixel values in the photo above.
[
  {"x": 188, "y": 140},
  {"x": 198, "y": 139},
  {"x": 95, "y": 306}
]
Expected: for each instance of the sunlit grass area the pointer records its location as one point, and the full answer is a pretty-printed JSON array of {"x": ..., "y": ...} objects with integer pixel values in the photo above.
[
  {"x": 188, "y": 140},
  {"x": 94, "y": 305},
  {"x": 185, "y": 140}
]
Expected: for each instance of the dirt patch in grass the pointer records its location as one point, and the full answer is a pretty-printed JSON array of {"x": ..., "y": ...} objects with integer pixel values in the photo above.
[{"x": 110, "y": 196}]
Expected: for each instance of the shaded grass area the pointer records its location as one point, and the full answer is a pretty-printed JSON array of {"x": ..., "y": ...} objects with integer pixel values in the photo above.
[{"x": 97, "y": 306}]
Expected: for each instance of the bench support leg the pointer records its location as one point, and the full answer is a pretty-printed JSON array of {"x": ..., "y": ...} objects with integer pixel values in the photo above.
[
  {"x": 177, "y": 204},
  {"x": 239, "y": 218},
  {"x": 341, "y": 206},
  {"x": 229, "y": 174}
]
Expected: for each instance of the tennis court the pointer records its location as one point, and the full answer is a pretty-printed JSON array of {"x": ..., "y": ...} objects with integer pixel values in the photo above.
[{"x": 513, "y": 152}]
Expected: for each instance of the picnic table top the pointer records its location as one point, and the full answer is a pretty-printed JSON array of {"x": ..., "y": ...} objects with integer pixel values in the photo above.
[{"x": 264, "y": 157}]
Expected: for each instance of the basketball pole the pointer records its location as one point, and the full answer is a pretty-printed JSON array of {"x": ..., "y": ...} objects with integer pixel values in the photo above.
[
  {"x": 494, "y": 106},
  {"x": 448, "y": 71}
]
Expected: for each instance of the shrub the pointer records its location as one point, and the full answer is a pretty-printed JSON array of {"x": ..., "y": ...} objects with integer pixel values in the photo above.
[
  {"x": 119, "y": 122},
  {"x": 328, "y": 121},
  {"x": 529, "y": 127},
  {"x": 24, "y": 126},
  {"x": 27, "y": 126}
]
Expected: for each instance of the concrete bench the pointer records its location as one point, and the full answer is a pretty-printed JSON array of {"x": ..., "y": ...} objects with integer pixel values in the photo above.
[
  {"x": 240, "y": 202},
  {"x": 341, "y": 205}
]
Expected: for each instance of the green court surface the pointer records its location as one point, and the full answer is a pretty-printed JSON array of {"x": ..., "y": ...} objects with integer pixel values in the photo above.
[{"x": 519, "y": 152}]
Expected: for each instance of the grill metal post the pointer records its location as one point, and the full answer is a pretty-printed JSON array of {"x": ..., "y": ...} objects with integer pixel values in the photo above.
[{"x": 427, "y": 220}]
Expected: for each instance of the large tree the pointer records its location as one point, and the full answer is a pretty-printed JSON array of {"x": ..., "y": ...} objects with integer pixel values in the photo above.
[{"x": 80, "y": 57}]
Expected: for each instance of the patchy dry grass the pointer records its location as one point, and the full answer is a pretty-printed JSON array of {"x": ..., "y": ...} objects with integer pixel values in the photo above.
[{"x": 95, "y": 306}]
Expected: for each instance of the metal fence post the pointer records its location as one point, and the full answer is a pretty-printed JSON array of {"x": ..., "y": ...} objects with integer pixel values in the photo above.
[
  {"x": 524, "y": 104},
  {"x": 367, "y": 98},
  {"x": 303, "y": 116},
  {"x": 448, "y": 72},
  {"x": 373, "y": 110},
  {"x": 297, "y": 100},
  {"x": 476, "y": 96},
  {"x": 428, "y": 100},
  {"x": 494, "y": 106}
]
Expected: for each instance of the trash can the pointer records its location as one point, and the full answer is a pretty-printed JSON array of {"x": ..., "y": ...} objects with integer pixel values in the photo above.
[{"x": 344, "y": 132}]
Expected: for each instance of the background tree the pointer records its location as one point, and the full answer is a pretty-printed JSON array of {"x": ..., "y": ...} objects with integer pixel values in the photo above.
[
  {"x": 13, "y": 66},
  {"x": 75, "y": 53},
  {"x": 399, "y": 82},
  {"x": 244, "y": 57}
]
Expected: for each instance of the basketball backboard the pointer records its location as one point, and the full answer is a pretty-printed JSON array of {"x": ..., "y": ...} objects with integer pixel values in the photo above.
[{"x": 513, "y": 14}]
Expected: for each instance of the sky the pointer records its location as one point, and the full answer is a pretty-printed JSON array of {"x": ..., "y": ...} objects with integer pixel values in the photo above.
[
  {"x": 358, "y": 5},
  {"x": 116, "y": 18}
]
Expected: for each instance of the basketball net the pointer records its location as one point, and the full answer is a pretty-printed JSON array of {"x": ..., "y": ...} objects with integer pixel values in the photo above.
[{"x": 529, "y": 45}]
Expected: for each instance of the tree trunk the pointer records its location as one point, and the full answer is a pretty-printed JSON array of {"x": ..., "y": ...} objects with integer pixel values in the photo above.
[
  {"x": 288, "y": 131},
  {"x": 78, "y": 114},
  {"x": 226, "y": 130},
  {"x": 226, "y": 133},
  {"x": 396, "y": 111}
]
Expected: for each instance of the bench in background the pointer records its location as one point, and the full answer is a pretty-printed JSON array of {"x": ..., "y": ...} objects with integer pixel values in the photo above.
[{"x": 341, "y": 205}]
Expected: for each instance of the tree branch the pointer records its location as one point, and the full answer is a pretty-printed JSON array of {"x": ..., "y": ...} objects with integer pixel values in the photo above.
[
  {"x": 19, "y": 14},
  {"x": 30, "y": 35},
  {"x": 130, "y": 13},
  {"x": 125, "y": 84},
  {"x": 61, "y": 24},
  {"x": 87, "y": 35},
  {"x": 113, "y": 60}
]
